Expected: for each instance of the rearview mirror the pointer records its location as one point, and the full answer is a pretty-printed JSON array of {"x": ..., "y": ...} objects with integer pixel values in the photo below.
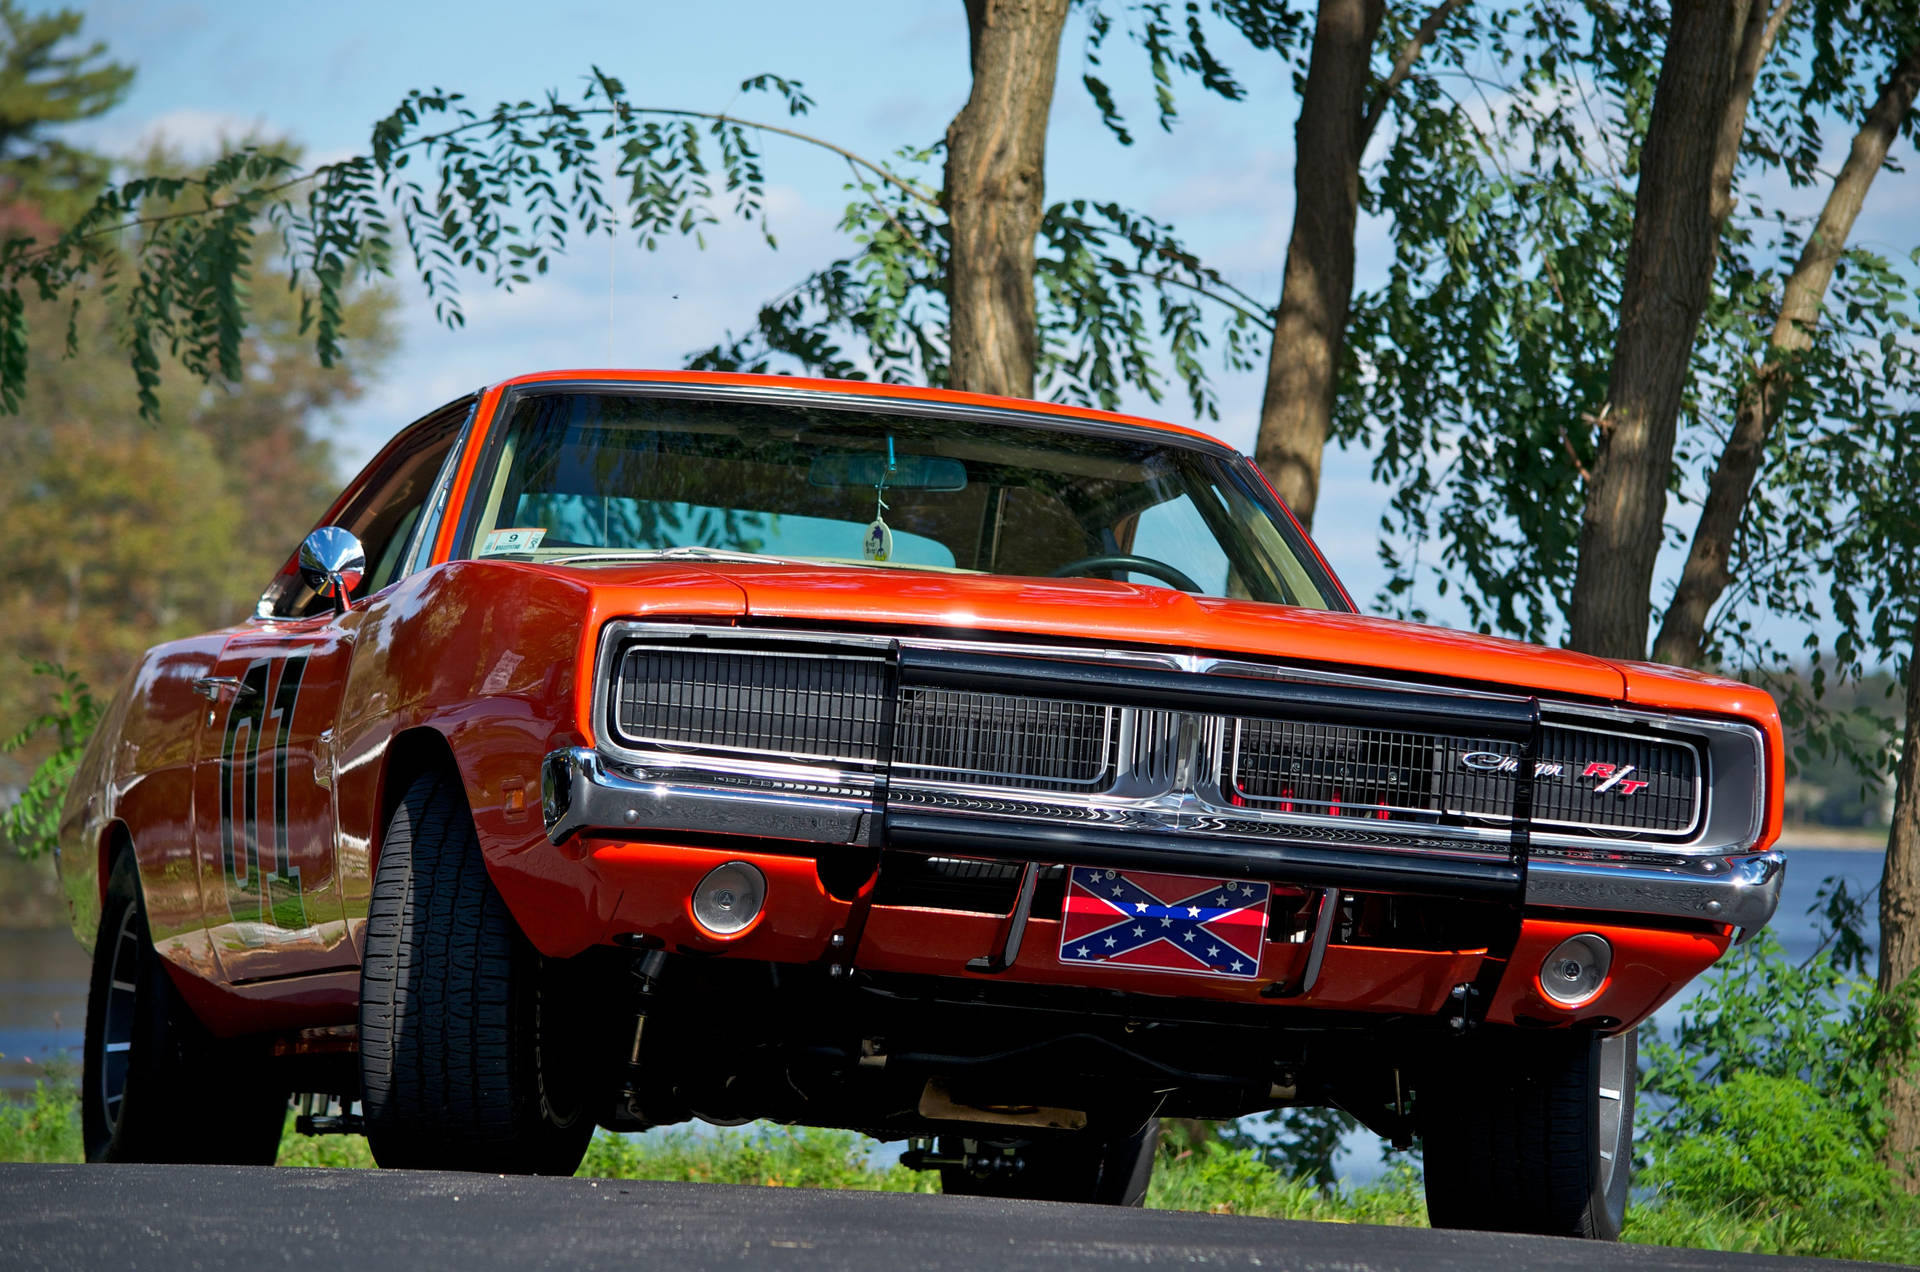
[
  {"x": 910, "y": 472},
  {"x": 332, "y": 563}
]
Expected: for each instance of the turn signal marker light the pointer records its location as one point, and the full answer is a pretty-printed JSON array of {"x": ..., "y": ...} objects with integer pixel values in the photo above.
[
  {"x": 1576, "y": 971},
  {"x": 729, "y": 899}
]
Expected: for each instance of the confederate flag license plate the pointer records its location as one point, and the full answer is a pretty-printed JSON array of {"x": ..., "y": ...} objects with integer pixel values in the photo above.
[{"x": 1164, "y": 923}]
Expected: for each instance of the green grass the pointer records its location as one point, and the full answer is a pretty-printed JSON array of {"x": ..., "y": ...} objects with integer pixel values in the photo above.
[
  {"x": 1216, "y": 1180},
  {"x": 46, "y": 1126}
]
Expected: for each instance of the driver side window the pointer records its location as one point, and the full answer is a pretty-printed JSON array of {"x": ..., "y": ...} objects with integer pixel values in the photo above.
[{"x": 383, "y": 507}]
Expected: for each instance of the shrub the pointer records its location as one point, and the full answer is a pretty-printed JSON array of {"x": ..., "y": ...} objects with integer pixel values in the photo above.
[
  {"x": 793, "y": 1157},
  {"x": 45, "y": 1127},
  {"x": 1761, "y": 1114}
]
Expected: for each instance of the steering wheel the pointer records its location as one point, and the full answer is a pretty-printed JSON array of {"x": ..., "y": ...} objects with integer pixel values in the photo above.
[{"x": 1122, "y": 561}]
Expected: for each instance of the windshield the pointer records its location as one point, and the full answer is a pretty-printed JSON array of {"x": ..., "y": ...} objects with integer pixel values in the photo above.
[{"x": 592, "y": 476}]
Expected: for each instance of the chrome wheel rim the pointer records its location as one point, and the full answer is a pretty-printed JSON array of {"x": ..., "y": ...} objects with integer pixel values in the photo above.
[
  {"x": 116, "y": 1025},
  {"x": 1615, "y": 1055}
]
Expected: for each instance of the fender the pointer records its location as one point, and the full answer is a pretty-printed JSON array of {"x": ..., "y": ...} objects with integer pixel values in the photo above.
[
  {"x": 503, "y": 690},
  {"x": 138, "y": 772}
]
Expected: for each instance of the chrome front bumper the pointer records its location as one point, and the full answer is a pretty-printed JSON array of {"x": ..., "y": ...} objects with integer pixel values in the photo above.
[
  {"x": 1743, "y": 889},
  {"x": 582, "y": 792}
]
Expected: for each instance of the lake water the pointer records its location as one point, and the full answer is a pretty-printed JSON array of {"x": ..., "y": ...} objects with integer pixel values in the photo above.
[
  {"x": 43, "y": 1004},
  {"x": 43, "y": 982}
]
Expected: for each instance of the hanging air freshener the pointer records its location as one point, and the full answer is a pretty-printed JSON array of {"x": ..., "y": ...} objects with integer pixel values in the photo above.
[{"x": 878, "y": 543}]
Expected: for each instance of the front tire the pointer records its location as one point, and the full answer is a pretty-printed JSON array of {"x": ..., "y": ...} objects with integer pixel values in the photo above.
[
  {"x": 467, "y": 1059},
  {"x": 1098, "y": 1171},
  {"x": 1531, "y": 1132},
  {"x": 154, "y": 1085}
]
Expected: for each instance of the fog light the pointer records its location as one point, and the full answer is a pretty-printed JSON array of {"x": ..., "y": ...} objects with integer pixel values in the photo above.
[
  {"x": 729, "y": 898},
  {"x": 1576, "y": 969}
]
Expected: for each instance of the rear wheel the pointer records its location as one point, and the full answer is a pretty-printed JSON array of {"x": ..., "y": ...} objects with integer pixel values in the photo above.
[
  {"x": 1109, "y": 1172},
  {"x": 155, "y": 1086},
  {"x": 1531, "y": 1132},
  {"x": 468, "y": 1059}
]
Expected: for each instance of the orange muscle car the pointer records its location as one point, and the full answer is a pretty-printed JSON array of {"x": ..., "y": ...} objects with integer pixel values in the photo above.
[{"x": 1001, "y": 777}]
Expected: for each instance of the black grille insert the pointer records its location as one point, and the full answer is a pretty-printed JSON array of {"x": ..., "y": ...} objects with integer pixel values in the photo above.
[
  {"x": 991, "y": 739},
  {"x": 1592, "y": 779},
  {"x": 767, "y": 703},
  {"x": 832, "y": 707},
  {"x": 1583, "y": 777},
  {"x": 1332, "y": 770}
]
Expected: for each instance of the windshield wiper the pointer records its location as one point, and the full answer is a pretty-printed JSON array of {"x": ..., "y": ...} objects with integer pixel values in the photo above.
[{"x": 681, "y": 552}]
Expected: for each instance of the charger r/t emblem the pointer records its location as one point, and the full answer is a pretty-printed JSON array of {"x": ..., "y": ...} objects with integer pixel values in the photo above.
[{"x": 1614, "y": 776}]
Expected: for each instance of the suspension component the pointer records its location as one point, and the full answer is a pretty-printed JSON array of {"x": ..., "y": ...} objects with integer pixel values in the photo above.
[
  {"x": 646, "y": 984},
  {"x": 975, "y": 1158}
]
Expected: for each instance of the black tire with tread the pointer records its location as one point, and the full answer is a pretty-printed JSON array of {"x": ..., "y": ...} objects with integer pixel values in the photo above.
[
  {"x": 1512, "y": 1135},
  {"x": 186, "y": 1096},
  {"x": 1097, "y": 1171},
  {"x": 465, "y": 1058}
]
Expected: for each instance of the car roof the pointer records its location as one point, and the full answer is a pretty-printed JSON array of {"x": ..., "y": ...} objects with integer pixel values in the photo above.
[{"x": 864, "y": 388}]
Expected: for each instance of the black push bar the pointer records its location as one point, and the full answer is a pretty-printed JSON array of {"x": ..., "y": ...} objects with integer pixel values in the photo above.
[{"x": 1495, "y": 878}]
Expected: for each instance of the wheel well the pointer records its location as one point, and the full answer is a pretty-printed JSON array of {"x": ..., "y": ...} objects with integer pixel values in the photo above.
[{"x": 416, "y": 751}]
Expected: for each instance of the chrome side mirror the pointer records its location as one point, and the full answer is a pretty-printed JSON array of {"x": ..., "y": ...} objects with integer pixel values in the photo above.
[{"x": 332, "y": 563}]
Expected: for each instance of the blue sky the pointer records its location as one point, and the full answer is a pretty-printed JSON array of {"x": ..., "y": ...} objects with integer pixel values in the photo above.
[{"x": 882, "y": 75}]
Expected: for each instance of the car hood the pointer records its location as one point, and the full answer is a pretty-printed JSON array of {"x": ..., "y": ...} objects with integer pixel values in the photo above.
[{"x": 1099, "y": 611}]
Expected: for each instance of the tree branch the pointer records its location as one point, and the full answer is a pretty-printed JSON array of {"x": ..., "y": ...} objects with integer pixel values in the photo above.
[
  {"x": 1403, "y": 65},
  {"x": 494, "y": 121},
  {"x": 892, "y": 220},
  {"x": 1245, "y": 306},
  {"x": 1756, "y": 41}
]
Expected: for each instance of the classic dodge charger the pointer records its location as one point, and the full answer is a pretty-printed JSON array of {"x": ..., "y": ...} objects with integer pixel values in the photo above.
[{"x": 999, "y": 777}]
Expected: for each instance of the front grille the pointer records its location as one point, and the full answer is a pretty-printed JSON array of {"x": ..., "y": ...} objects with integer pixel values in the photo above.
[
  {"x": 1395, "y": 788},
  {"x": 991, "y": 739},
  {"x": 1586, "y": 778},
  {"x": 765, "y": 703}
]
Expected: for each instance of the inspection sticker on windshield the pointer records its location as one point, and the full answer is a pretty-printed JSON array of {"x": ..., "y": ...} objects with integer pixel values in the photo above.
[
  {"x": 1164, "y": 923},
  {"x": 518, "y": 539}
]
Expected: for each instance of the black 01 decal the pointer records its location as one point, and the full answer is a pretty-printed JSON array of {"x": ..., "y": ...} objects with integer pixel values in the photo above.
[{"x": 258, "y": 899}]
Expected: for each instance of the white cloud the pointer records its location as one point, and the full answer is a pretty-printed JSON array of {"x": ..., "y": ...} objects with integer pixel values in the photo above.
[{"x": 188, "y": 129}]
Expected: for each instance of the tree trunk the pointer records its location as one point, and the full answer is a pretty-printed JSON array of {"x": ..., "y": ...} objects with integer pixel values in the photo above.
[
  {"x": 1310, "y": 329},
  {"x": 1669, "y": 274},
  {"x": 1758, "y": 28},
  {"x": 1900, "y": 932},
  {"x": 1763, "y": 398},
  {"x": 995, "y": 192}
]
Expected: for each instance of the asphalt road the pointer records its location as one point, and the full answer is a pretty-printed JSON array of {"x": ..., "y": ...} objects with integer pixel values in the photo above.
[{"x": 197, "y": 1217}]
